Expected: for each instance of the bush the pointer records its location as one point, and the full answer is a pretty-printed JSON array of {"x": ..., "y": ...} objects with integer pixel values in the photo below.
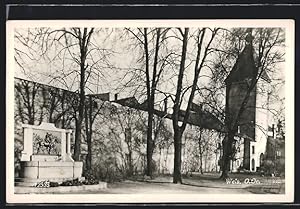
[
  {"x": 90, "y": 179},
  {"x": 54, "y": 184},
  {"x": 280, "y": 168},
  {"x": 275, "y": 168},
  {"x": 106, "y": 171},
  {"x": 74, "y": 182}
]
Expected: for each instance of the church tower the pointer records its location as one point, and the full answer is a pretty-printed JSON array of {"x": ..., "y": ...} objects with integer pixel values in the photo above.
[{"x": 254, "y": 118}]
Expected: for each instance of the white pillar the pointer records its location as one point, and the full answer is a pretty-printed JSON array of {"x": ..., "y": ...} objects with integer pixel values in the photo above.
[
  {"x": 28, "y": 147},
  {"x": 68, "y": 143},
  {"x": 63, "y": 145}
]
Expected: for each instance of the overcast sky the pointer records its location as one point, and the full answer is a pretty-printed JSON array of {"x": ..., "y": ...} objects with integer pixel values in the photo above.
[{"x": 113, "y": 70}]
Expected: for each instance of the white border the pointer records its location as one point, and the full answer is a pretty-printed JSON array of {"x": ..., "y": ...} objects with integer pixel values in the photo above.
[{"x": 152, "y": 198}]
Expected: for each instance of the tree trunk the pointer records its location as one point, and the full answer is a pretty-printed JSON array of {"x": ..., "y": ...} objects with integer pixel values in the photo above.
[
  {"x": 216, "y": 162},
  {"x": 81, "y": 99},
  {"x": 159, "y": 164},
  {"x": 227, "y": 155},
  {"x": 178, "y": 131},
  {"x": 149, "y": 142},
  {"x": 77, "y": 141},
  {"x": 78, "y": 128},
  {"x": 150, "y": 97},
  {"x": 200, "y": 152},
  {"x": 201, "y": 164},
  {"x": 63, "y": 121},
  {"x": 130, "y": 163},
  {"x": 83, "y": 44},
  {"x": 88, "y": 130},
  {"x": 177, "y": 155},
  {"x": 166, "y": 159},
  {"x": 205, "y": 163},
  {"x": 88, "y": 159}
]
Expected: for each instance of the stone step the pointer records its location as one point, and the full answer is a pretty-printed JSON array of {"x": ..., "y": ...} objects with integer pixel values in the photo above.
[
  {"x": 59, "y": 189},
  {"x": 32, "y": 181},
  {"x": 44, "y": 179},
  {"x": 25, "y": 184}
]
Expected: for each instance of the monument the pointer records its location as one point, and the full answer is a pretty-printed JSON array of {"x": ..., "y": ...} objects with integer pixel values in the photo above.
[{"x": 47, "y": 155}]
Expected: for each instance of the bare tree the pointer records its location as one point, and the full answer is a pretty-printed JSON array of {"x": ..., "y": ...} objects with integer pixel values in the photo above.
[
  {"x": 202, "y": 52},
  {"x": 153, "y": 63}
]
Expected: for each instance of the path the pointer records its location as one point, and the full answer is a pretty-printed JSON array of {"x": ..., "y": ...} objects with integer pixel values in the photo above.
[{"x": 135, "y": 187}]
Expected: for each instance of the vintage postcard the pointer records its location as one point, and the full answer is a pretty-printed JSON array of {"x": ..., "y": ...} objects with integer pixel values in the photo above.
[{"x": 150, "y": 111}]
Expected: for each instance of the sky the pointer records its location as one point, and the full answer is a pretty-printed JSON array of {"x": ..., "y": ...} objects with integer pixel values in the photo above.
[{"x": 124, "y": 53}]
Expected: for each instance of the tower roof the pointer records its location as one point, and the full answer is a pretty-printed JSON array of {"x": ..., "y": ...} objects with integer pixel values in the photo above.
[{"x": 245, "y": 67}]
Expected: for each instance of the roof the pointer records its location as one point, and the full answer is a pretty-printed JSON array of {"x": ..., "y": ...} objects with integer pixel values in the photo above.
[
  {"x": 129, "y": 102},
  {"x": 197, "y": 117},
  {"x": 245, "y": 136},
  {"x": 245, "y": 67}
]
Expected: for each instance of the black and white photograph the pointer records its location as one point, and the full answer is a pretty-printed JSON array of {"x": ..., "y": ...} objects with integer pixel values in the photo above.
[{"x": 113, "y": 111}]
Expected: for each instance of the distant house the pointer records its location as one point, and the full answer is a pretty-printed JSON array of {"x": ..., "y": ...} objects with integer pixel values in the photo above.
[
  {"x": 275, "y": 150},
  {"x": 251, "y": 131}
]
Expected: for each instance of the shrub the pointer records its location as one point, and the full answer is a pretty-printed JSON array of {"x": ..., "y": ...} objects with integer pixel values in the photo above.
[
  {"x": 274, "y": 167},
  {"x": 106, "y": 170},
  {"x": 268, "y": 167},
  {"x": 74, "y": 182},
  {"x": 90, "y": 179},
  {"x": 54, "y": 184},
  {"x": 280, "y": 167}
]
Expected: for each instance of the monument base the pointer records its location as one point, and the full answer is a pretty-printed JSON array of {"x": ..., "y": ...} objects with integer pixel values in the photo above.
[
  {"x": 51, "y": 170},
  {"x": 27, "y": 182}
]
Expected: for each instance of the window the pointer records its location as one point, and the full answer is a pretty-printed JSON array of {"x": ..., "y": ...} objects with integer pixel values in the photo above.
[
  {"x": 261, "y": 159},
  {"x": 253, "y": 150},
  {"x": 278, "y": 153}
]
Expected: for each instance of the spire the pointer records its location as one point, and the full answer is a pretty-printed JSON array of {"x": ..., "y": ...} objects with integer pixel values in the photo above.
[
  {"x": 245, "y": 65},
  {"x": 249, "y": 38}
]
